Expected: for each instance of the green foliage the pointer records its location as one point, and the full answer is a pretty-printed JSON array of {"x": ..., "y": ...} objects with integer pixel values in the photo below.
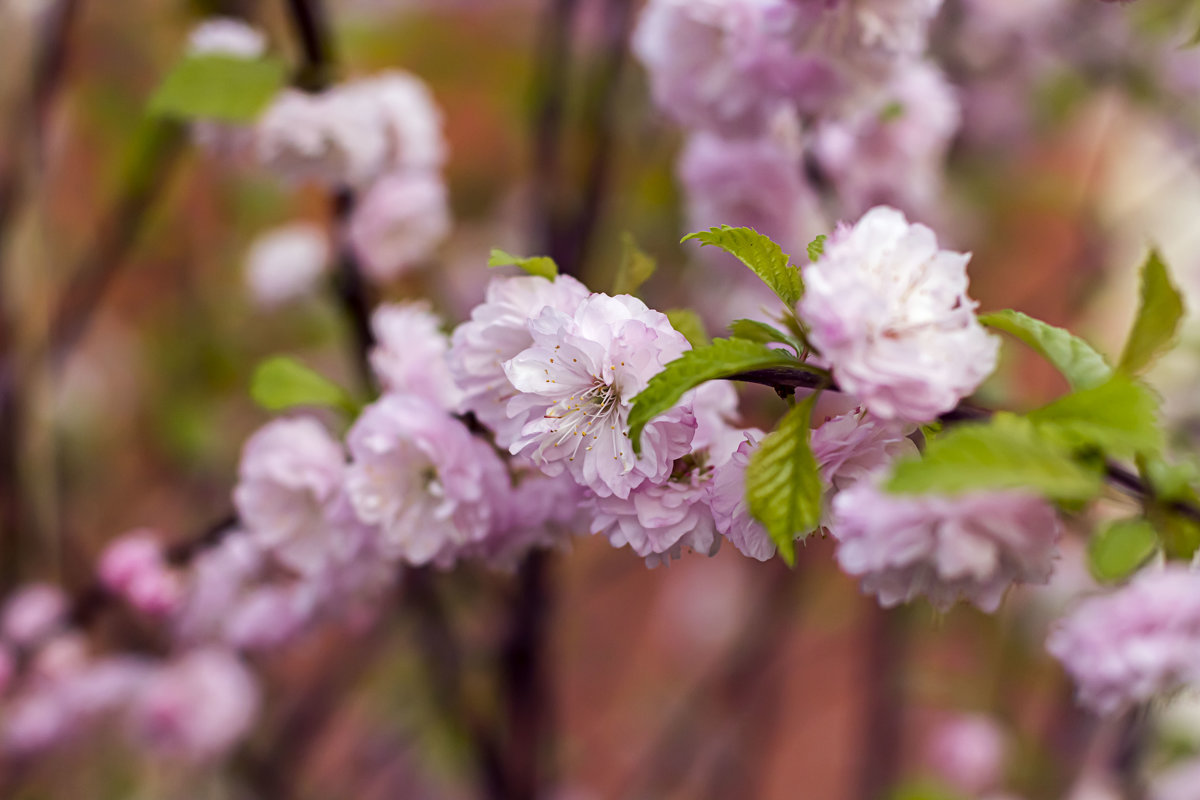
[
  {"x": 925, "y": 790},
  {"x": 218, "y": 87},
  {"x": 783, "y": 482},
  {"x": 688, "y": 323},
  {"x": 1007, "y": 452},
  {"x": 1078, "y": 362},
  {"x": 1119, "y": 548},
  {"x": 1119, "y": 417},
  {"x": 1158, "y": 316},
  {"x": 755, "y": 331},
  {"x": 765, "y": 258},
  {"x": 722, "y": 358},
  {"x": 816, "y": 248},
  {"x": 542, "y": 266},
  {"x": 281, "y": 383},
  {"x": 635, "y": 267}
]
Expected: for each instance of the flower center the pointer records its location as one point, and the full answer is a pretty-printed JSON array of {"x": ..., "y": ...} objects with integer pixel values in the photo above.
[{"x": 585, "y": 418}]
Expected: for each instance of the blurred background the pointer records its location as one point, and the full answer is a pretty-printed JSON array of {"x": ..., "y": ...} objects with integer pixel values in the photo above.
[{"x": 132, "y": 321}]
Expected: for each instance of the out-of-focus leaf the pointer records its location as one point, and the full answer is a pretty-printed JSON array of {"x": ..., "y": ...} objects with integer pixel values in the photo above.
[
  {"x": 688, "y": 323},
  {"x": 783, "y": 481},
  {"x": 765, "y": 258},
  {"x": 1006, "y": 453},
  {"x": 1078, "y": 362},
  {"x": 218, "y": 87},
  {"x": 1120, "y": 417},
  {"x": 816, "y": 248},
  {"x": 722, "y": 358},
  {"x": 1158, "y": 316},
  {"x": 281, "y": 383},
  {"x": 635, "y": 267},
  {"x": 1119, "y": 548},
  {"x": 542, "y": 266},
  {"x": 755, "y": 331}
]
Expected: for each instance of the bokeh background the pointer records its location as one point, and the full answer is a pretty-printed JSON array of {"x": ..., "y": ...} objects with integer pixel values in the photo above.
[{"x": 713, "y": 678}]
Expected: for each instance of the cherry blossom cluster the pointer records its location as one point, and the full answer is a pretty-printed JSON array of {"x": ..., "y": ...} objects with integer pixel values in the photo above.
[
  {"x": 771, "y": 90},
  {"x": 379, "y": 136}
]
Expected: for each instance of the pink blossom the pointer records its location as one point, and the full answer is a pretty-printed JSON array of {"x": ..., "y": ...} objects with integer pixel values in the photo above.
[
  {"x": 33, "y": 613},
  {"x": 848, "y": 448},
  {"x": 411, "y": 353},
  {"x": 972, "y": 546},
  {"x": 290, "y": 474},
  {"x": 657, "y": 520},
  {"x": 197, "y": 707},
  {"x": 134, "y": 567},
  {"x": 226, "y": 36},
  {"x": 422, "y": 478},
  {"x": 409, "y": 116},
  {"x": 893, "y": 151},
  {"x": 755, "y": 183},
  {"x": 968, "y": 752},
  {"x": 271, "y": 615},
  {"x": 399, "y": 222},
  {"x": 1179, "y": 782},
  {"x": 890, "y": 313},
  {"x": 540, "y": 511},
  {"x": 284, "y": 264},
  {"x": 1135, "y": 642},
  {"x": 497, "y": 331},
  {"x": 576, "y": 384},
  {"x": 217, "y": 580}
]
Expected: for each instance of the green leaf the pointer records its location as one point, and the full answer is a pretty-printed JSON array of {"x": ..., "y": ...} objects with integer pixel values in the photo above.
[
  {"x": 218, "y": 87},
  {"x": 542, "y": 266},
  {"x": 783, "y": 481},
  {"x": 1157, "y": 323},
  {"x": 635, "y": 267},
  {"x": 1119, "y": 548},
  {"x": 1120, "y": 417},
  {"x": 1078, "y": 362},
  {"x": 816, "y": 248},
  {"x": 688, "y": 323},
  {"x": 755, "y": 331},
  {"x": 1171, "y": 482},
  {"x": 281, "y": 383},
  {"x": 722, "y": 358},
  {"x": 1006, "y": 453},
  {"x": 765, "y": 258}
]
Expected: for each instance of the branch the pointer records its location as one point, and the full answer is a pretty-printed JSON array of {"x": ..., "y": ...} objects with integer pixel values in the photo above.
[{"x": 788, "y": 378}]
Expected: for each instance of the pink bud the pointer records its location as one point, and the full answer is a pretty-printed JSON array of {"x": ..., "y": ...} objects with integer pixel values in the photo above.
[{"x": 33, "y": 613}]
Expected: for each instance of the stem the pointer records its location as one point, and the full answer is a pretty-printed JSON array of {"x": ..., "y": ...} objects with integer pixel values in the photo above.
[{"x": 883, "y": 706}]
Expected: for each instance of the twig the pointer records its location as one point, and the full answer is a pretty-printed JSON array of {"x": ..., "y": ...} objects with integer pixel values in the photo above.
[{"x": 883, "y": 707}]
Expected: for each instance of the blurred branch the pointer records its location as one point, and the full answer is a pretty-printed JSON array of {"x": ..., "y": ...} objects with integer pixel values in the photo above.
[
  {"x": 668, "y": 759},
  {"x": 881, "y": 725}
]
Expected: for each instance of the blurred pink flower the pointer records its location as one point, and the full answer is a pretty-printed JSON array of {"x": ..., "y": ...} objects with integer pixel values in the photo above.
[
  {"x": 33, "y": 613},
  {"x": 226, "y": 36},
  {"x": 285, "y": 263},
  {"x": 410, "y": 355},
  {"x": 133, "y": 567},
  {"x": 399, "y": 222},
  {"x": 968, "y": 752}
]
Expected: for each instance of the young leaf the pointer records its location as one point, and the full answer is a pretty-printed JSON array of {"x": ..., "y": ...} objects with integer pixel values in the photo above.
[
  {"x": 720, "y": 359},
  {"x": 1078, "y": 362},
  {"x": 688, "y": 323},
  {"x": 635, "y": 267},
  {"x": 1120, "y": 417},
  {"x": 1006, "y": 453},
  {"x": 542, "y": 266},
  {"x": 765, "y": 258},
  {"x": 783, "y": 482},
  {"x": 755, "y": 331},
  {"x": 816, "y": 248},
  {"x": 281, "y": 383},
  {"x": 218, "y": 87},
  {"x": 1157, "y": 323},
  {"x": 1119, "y": 548}
]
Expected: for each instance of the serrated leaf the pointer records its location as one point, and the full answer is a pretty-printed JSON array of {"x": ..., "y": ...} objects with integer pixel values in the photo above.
[
  {"x": 1119, "y": 548},
  {"x": 281, "y": 383},
  {"x": 1157, "y": 322},
  {"x": 755, "y": 331},
  {"x": 1171, "y": 482},
  {"x": 783, "y": 480},
  {"x": 765, "y": 258},
  {"x": 1005, "y": 453},
  {"x": 816, "y": 248},
  {"x": 1120, "y": 417},
  {"x": 722, "y": 358},
  {"x": 218, "y": 87},
  {"x": 688, "y": 323},
  {"x": 634, "y": 268},
  {"x": 542, "y": 266},
  {"x": 1077, "y": 360}
]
